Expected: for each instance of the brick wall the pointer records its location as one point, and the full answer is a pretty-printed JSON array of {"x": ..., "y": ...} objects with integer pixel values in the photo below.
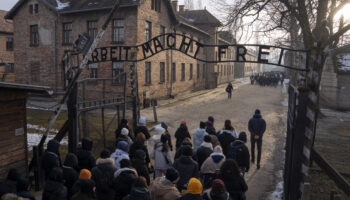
[{"x": 6, "y": 56}]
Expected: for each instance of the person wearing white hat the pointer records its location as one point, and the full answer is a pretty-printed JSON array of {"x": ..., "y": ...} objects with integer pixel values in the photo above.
[
  {"x": 141, "y": 128},
  {"x": 124, "y": 136}
]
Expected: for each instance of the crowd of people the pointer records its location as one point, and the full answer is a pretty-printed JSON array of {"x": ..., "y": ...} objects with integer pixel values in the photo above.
[
  {"x": 268, "y": 79},
  {"x": 208, "y": 165}
]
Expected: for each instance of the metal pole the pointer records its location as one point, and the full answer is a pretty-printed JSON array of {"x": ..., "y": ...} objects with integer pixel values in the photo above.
[{"x": 124, "y": 105}]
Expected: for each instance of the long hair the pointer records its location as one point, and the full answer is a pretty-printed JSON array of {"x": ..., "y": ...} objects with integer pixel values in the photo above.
[
  {"x": 228, "y": 125},
  {"x": 164, "y": 140},
  {"x": 230, "y": 169}
]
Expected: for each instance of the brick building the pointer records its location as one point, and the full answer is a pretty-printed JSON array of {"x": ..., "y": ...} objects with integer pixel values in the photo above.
[
  {"x": 45, "y": 29},
  {"x": 6, "y": 49}
]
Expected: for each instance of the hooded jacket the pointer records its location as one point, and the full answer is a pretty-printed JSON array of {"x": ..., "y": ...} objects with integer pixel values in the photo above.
[
  {"x": 179, "y": 150},
  {"x": 204, "y": 152},
  {"x": 144, "y": 130},
  {"x": 85, "y": 158},
  {"x": 70, "y": 174},
  {"x": 180, "y": 134},
  {"x": 163, "y": 189},
  {"x": 257, "y": 125},
  {"x": 162, "y": 160},
  {"x": 123, "y": 181},
  {"x": 210, "y": 128},
  {"x": 136, "y": 146},
  {"x": 187, "y": 168},
  {"x": 138, "y": 162},
  {"x": 9, "y": 185},
  {"x": 51, "y": 158},
  {"x": 119, "y": 155},
  {"x": 215, "y": 195},
  {"x": 212, "y": 163},
  {"x": 103, "y": 174},
  {"x": 242, "y": 157},
  {"x": 138, "y": 193},
  {"x": 225, "y": 138},
  {"x": 236, "y": 186},
  {"x": 198, "y": 138},
  {"x": 54, "y": 188}
]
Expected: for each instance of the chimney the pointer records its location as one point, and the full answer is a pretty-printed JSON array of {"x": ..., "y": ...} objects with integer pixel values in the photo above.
[
  {"x": 181, "y": 8},
  {"x": 174, "y": 4}
]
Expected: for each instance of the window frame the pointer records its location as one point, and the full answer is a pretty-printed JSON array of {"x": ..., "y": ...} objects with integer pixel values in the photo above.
[
  {"x": 191, "y": 71},
  {"x": 204, "y": 71},
  {"x": 93, "y": 70},
  {"x": 34, "y": 35},
  {"x": 198, "y": 71},
  {"x": 93, "y": 28},
  {"x": 161, "y": 72},
  {"x": 148, "y": 31},
  {"x": 9, "y": 44},
  {"x": 183, "y": 71},
  {"x": 173, "y": 72},
  {"x": 162, "y": 30},
  {"x": 69, "y": 32},
  {"x": 120, "y": 29},
  {"x": 116, "y": 70},
  {"x": 148, "y": 75},
  {"x": 10, "y": 68}
]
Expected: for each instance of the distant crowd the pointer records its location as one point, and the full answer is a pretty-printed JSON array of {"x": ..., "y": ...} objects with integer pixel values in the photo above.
[
  {"x": 210, "y": 165},
  {"x": 271, "y": 79}
]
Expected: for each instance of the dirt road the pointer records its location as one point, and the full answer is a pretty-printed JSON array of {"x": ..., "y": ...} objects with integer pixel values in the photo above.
[{"x": 245, "y": 99}]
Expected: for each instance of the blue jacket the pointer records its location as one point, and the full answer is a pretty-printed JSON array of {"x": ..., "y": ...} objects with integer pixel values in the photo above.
[{"x": 257, "y": 125}]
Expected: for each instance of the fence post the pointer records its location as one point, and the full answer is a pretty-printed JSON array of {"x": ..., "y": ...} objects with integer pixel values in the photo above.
[
  {"x": 154, "y": 103},
  {"x": 37, "y": 168}
]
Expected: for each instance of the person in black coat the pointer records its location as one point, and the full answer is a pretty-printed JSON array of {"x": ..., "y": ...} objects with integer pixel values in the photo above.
[
  {"x": 241, "y": 154},
  {"x": 70, "y": 174},
  {"x": 141, "y": 128},
  {"x": 22, "y": 189},
  {"x": 9, "y": 185},
  {"x": 167, "y": 134},
  {"x": 181, "y": 133},
  {"x": 54, "y": 187},
  {"x": 229, "y": 89},
  {"x": 226, "y": 136},
  {"x": 234, "y": 182},
  {"x": 138, "y": 162},
  {"x": 139, "y": 191},
  {"x": 257, "y": 127},
  {"x": 204, "y": 151},
  {"x": 139, "y": 144},
  {"x": 51, "y": 158},
  {"x": 185, "y": 142},
  {"x": 186, "y": 167},
  {"x": 102, "y": 175},
  {"x": 123, "y": 124},
  {"x": 124, "y": 179},
  {"x": 85, "y": 158},
  {"x": 210, "y": 126},
  {"x": 86, "y": 191}
]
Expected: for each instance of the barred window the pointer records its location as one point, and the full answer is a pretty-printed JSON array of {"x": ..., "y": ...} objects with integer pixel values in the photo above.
[
  {"x": 93, "y": 70},
  {"x": 191, "y": 71},
  {"x": 148, "y": 73},
  {"x": 148, "y": 30},
  {"x": 183, "y": 71},
  {"x": 204, "y": 71},
  {"x": 156, "y": 5},
  {"x": 118, "y": 30},
  {"x": 92, "y": 28},
  {"x": 9, "y": 44},
  {"x": 117, "y": 69},
  {"x": 67, "y": 33},
  {"x": 173, "y": 72},
  {"x": 198, "y": 71},
  {"x": 34, "y": 35},
  {"x": 162, "y": 72},
  {"x": 10, "y": 68}
]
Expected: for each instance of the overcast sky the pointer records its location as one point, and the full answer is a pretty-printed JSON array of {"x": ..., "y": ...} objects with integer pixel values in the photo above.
[{"x": 7, "y": 4}]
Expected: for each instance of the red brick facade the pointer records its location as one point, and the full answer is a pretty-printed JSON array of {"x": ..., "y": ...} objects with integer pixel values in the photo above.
[{"x": 6, "y": 49}]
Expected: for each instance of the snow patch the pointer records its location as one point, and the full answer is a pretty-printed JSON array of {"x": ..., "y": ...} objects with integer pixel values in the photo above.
[
  {"x": 34, "y": 139},
  {"x": 278, "y": 193},
  {"x": 61, "y": 5},
  {"x": 40, "y": 128}
]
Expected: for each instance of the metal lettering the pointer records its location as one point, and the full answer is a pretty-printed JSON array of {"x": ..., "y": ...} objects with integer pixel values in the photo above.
[
  {"x": 261, "y": 52},
  {"x": 239, "y": 54}
]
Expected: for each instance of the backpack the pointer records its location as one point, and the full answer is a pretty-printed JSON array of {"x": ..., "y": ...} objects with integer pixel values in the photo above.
[{"x": 235, "y": 151}]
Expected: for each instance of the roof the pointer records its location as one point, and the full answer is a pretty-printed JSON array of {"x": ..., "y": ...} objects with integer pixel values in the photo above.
[
  {"x": 24, "y": 87},
  {"x": 197, "y": 17},
  {"x": 5, "y": 25},
  {"x": 227, "y": 37}
]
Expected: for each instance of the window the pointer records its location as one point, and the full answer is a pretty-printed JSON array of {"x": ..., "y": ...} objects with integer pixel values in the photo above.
[
  {"x": 204, "y": 71},
  {"x": 118, "y": 31},
  {"x": 148, "y": 73},
  {"x": 117, "y": 69},
  {"x": 148, "y": 30},
  {"x": 35, "y": 72},
  {"x": 36, "y": 8},
  {"x": 92, "y": 28},
  {"x": 162, "y": 39},
  {"x": 198, "y": 70},
  {"x": 67, "y": 33},
  {"x": 34, "y": 35},
  {"x": 162, "y": 72},
  {"x": 9, "y": 44},
  {"x": 93, "y": 70},
  {"x": 191, "y": 45},
  {"x": 191, "y": 71},
  {"x": 221, "y": 71},
  {"x": 173, "y": 72},
  {"x": 10, "y": 68},
  {"x": 156, "y": 5},
  {"x": 182, "y": 71},
  {"x": 224, "y": 70},
  {"x": 33, "y": 8}
]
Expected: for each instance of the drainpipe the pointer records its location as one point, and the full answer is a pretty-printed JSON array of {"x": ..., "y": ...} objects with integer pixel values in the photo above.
[{"x": 55, "y": 55}]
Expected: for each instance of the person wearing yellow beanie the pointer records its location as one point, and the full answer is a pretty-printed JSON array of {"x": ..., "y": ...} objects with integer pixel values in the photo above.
[
  {"x": 194, "y": 190},
  {"x": 84, "y": 174}
]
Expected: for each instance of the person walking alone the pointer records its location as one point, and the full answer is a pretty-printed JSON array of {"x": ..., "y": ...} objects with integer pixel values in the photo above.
[
  {"x": 257, "y": 127},
  {"x": 229, "y": 89}
]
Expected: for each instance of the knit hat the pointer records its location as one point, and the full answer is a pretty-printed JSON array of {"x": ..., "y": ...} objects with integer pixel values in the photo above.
[
  {"x": 218, "y": 149},
  {"x": 142, "y": 121},
  {"x": 122, "y": 145},
  {"x": 183, "y": 122},
  {"x": 257, "y": 112},
  {"x": 163, "y": 125},
  {"x": 210, "y": 118},
  {"x": 207, "y": 138},
  {"x": 218, "y": 185},
  {"x": 159, "y": 130},
  {"x": 105, "y": 153},
  {"x": 171, "y": 174},
  {"x": 84, "y": 174},
  {"x": 187, "y": 150},
  {"x": 242, "y": 136},
  {"x": 194, "y": 186},
  {"x": 125, "y": 131}
]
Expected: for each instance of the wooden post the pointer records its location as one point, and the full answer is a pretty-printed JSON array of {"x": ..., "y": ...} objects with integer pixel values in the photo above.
[
  {"x": 85, "y": 129},
  {"x": 72, "y": 113},
  {"x": 154, "y": 110}
]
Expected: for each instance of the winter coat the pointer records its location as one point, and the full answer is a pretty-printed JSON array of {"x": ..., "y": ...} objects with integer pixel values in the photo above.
[
  {"x": 25, "y": 195},
  {"x": 225, "y": 139},
  {"x": 82, "y": 196},
  {"x": 139, "y": 164},
  {"x": 180, "y": 134},
  {"x": 138, "y": 145},
  {"x": 163, "y": 189},
  {"x": 169, "y": 140},
  {"x": 138, "y": 194},
  {"x": 70, "y": 174},
  {"x": 123, "y": 181},
  {"x": 103, "y": 174},
  {"x": 8, "y": 186},
  {"x": 257, "y": 125},
  {"x": 236, "y": 186},
  {"x": 179, "y": 150},
  {"x": 118, "y": 132},
  {"x": 162, "y": 160},
  {"x": 243, "y": 156},
  {"x": 187, "y": 169},
  {"x": 203, "y": 153},
  {"x": 198, "y": 138},
  {"x": 85, "y": 158},
  {"x": 210, "y": 128},
  {"x": 127, "y": 139},
  {"x": 54, "y": 191},
  {"x": 232, "y": 132},
  {"x": 86, "y": 190},
  {"x": 229, "y": 88},
  {"x": 119, "y": 155},
  {"x": 142, "y": 129},
  {"x": 214, "y": 195},
  {"x": 51, "y": 158},
  {"x": 191, "y": 197},
  {"x": 212, "y": 163}
]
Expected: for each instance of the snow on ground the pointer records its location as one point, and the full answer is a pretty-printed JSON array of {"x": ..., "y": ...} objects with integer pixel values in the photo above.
[
  {"x": 40, "y": 128},
  {"x": 34, "y": 139},
  {"x": 61, "y": 5},
  {"x": 278, "y": 193}
]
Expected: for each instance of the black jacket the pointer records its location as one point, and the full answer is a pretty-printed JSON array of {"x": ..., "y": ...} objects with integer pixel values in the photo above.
[
  {"x": 136, "y": 146},
  {"x": 187, "y": 169},
  {"x": 216, "y": 195},
  {"x": 229, "y": 88},
  {"x": 139, "y": 164},
  {"x": 242, "y": 154},
  {"x": 180, "y": 134},
  {"x": 257, "y": 125},
  {"x": 123, "y": 184},
  {"x": 7, "y": 186},
  {"x": 142, "y": 129},
  {"x": 225, "y": 140},
  {"x": 178, "y": 152},
  {"x": 190, "y": 197},
  {"x": 236, "y": 186},
  {"x": 54, "y": 191},
  {"x": 138, "y": 194},
  {"x": 85, "y": 158},
  {"x": 70, "y": 174},
  {"x": 210, "y": 128},
  {"x": 51, "y": 158},
  {"x": 102, "y": 175},
  {"x": 202, "y": 154}
]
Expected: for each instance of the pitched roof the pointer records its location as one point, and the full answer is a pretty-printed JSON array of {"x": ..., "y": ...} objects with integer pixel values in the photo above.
[
  {"x": 197, "y": 17},
  {"x": 5, "y": 25},
  {"x": 227, "y": 36}
]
